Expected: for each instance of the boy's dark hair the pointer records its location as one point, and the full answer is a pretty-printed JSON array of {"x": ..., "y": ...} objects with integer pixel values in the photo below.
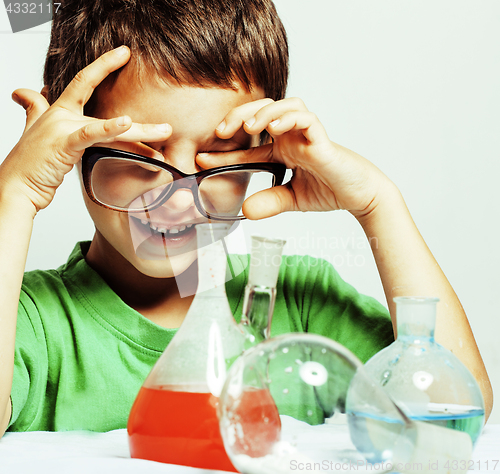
[{"x": 206, "y": 42}]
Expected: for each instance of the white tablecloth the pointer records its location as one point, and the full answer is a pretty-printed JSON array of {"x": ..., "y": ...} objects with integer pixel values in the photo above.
[{"x": 76, "y": 452}]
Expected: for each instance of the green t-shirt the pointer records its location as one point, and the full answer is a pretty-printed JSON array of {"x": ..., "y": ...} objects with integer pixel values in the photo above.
[{"x": 82, "y": 354}]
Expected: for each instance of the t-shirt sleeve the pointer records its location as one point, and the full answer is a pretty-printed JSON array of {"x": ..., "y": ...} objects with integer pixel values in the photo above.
[
  {"x": 30, "y": 366},
  {"x": 333, "y": 308}
]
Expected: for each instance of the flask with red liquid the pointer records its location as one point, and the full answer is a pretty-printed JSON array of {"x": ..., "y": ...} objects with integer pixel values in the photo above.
[{"x": 174, "y": 417}]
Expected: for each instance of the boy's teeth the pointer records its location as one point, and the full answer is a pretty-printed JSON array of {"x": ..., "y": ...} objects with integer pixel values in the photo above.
[{"x": 164, "y": 230}]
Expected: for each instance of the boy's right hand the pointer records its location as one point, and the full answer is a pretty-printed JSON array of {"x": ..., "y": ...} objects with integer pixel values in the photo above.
[{"x": 55, "y": 136}]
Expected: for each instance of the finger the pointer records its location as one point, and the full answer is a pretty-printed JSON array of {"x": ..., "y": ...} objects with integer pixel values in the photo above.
[
  {"x": 134, "y": 147},
  {"x": 306, "y": 122},
  {"x": 79, "y": 90},
  {"x": 270, "y": 202},
  {"x": 32, "y": 102},
  {"x": 235, "y": 119},
  {"x": 140, "y": 132},
  {"x": 258, "y": 154},
  {"x": 120, "y": 128},
  {"x": 272, "y": 112}
]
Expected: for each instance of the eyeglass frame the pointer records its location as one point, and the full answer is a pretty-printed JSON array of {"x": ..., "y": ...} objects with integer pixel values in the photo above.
[{"x": 93, "y": 154}]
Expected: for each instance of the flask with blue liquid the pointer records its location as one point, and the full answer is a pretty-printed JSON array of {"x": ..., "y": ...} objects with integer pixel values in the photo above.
[{"x": 427, "y": 381}]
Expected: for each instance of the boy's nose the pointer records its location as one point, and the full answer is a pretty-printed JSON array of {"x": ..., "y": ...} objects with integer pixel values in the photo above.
[{"x": 180, "y": 201}]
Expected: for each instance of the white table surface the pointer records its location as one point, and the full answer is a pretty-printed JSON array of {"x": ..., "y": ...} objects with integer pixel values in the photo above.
[{"x": 76, "y": 452}]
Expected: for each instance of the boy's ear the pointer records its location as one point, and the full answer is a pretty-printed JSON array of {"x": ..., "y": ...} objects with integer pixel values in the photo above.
[{"x": 45, "y": 92}]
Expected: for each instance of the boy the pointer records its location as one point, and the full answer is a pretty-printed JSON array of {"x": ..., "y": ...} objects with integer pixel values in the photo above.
[{"x": 200, "y": 82}]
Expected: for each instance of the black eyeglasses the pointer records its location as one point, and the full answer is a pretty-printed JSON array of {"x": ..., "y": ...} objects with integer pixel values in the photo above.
[{"x": 126, "y": 182}]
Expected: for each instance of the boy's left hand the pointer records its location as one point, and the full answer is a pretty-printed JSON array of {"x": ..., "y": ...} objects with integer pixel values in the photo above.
[{"x": 326, "y": 176}]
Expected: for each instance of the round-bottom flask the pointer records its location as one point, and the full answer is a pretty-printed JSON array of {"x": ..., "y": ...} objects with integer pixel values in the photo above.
[
  {"x": 426, "y": 380},
  {"x": 317, "y": 409}
]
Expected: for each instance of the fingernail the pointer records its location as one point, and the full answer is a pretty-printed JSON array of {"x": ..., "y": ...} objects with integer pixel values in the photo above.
[
  {"x": 250, "y": 122},
  {"x": 162, "y": 127},
  {"x": 122, "y": 121},
  {"x": 16, "y": 98},
  {"x": 121, "y": 50},
  {"x": 203, "y": 155},
  {"x": 275, "y": 123},
  {"x": 221, "y": 126}
]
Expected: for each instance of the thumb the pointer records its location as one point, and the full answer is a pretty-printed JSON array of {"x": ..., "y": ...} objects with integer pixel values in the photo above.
[
  {"x": 270, "y": 202},
  {"x": 34, "y": 103}
]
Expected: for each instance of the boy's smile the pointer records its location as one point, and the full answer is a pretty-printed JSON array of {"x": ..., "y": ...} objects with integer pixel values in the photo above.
[{"x": 162, "y": 243}]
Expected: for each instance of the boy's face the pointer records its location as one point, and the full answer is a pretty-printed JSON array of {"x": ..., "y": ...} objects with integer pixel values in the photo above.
[{"x": 193, "y": 112}]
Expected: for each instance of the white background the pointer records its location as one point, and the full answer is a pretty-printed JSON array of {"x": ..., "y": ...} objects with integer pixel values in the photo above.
[{"x": 412, "y": 86}]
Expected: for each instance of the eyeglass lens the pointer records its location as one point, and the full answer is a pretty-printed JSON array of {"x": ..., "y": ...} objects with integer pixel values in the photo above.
[{"x": 136, "y": 186}]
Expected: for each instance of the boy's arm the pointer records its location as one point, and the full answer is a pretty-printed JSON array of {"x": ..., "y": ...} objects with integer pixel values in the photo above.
[
  {"x": 327, "y": 176},
  {"x": 5, "y": 422},
  {"x": 16, "y": 222},
  {"x": 408, "y": 268},
  {"x": 52, "y": 143}
]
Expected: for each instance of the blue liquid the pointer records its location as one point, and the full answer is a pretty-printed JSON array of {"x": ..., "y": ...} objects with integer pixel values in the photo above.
[
  {"x": 470, "y": 422},
  {"x": 375, "y": 436}
]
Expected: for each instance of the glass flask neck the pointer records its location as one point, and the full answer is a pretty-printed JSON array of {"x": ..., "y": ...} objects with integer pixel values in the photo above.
[
  {"x": 260, "y": 292},
  {"x": 416, "y": 317},
  {"x": 212, "y": 260},
  {"x": 257, "y": 314}
]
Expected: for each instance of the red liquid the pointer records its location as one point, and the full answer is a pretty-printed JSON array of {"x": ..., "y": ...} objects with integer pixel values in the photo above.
[{"x": 183, "y": 428}]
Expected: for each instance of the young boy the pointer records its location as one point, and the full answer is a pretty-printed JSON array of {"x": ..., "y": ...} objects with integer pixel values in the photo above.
[{"x": 199, "y": 84}]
